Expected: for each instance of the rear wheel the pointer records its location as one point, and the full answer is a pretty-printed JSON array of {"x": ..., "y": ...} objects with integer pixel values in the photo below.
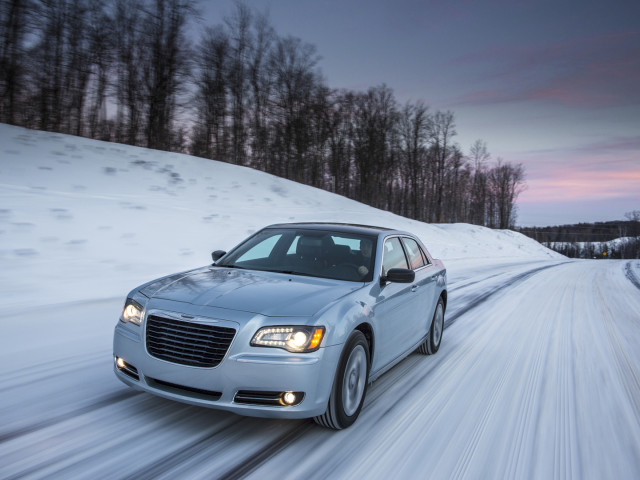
[
  {"x": 433, "y": 340},
  {"x": 349, "y": 385}
]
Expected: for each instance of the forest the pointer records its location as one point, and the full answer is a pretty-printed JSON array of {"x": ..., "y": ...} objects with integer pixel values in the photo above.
[
  {"x": 614, "y": 239},
  {"x": 151, "y": 73}
]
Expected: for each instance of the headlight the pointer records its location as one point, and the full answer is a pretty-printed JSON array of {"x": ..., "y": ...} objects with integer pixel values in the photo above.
[
  {"x": 292, "y": 339},
  {"x": 132, "y": 312}
]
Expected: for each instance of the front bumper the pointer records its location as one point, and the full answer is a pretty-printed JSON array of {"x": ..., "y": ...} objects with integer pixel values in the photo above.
[{"x": 244, "y": 368}]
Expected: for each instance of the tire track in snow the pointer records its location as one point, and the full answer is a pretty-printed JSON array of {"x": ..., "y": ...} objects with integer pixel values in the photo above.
[
  {"x": 464, "y": 461},
  {"x": 479, "y": 300},
  {"x": 77, "y": 452},
  {"x": 278, "y": 444},
  {"x": 530, "y": 404},
  {"x": 109, "y": 400},
  {"x": 627, "y": 372},
  {"x": 36, "y": 373},
  {"x": 505, "y": 380},
  {"x": 566, "y": 454},
  {"x": 178, "y": 457}
]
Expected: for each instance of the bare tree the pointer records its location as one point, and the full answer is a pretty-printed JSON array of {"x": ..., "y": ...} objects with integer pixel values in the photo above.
[
  {"x": 456, "y": 186},
  {"x": 415, "y": 128},
  {"x": 339, "y": 126},
  {"x": 129, "y": 85},
  {"x": 375, "y": 122},
  {"x": 239, "y": 27},
  {"x": 294, "y": 82},
  {"x": 77, "y": 66},
  {"x": 479, "y": 156},
  {"x": 506, "y": 182},
  {"x": 102, "y": 46},
  {"x": 47, "y": 57},
  {"x": 165, "y": 68},
  {"x": 14, "y": 27},
  {"x": 260, "y": 89},
  {"x": 211, "y": 136},
  {"x": 442, "y": 132}
]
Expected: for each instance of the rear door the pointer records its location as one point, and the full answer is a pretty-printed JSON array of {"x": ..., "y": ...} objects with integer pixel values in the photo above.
[{"x": 423, "y": 287}]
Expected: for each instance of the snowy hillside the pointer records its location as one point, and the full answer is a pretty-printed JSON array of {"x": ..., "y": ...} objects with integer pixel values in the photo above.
[{"x": 86, "y": 219}]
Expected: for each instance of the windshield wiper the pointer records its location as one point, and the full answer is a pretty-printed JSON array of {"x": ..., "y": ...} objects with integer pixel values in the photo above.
[{"x": 291, "y": 272}]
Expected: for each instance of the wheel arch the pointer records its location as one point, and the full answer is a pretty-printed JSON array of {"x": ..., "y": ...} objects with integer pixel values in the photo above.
[{"x": 367, "y": 331}]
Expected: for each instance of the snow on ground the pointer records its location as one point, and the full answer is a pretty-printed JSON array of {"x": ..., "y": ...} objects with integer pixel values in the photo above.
[
  {"x": 82, "y": 219},
  {"x": 538, "y": 375}
]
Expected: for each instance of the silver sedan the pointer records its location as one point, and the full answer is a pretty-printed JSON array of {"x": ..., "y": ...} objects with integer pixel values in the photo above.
[{"x": 294, "y": 322}]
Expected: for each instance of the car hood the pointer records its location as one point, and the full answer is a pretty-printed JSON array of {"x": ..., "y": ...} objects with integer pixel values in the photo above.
[{"x": 266, "y": 293}]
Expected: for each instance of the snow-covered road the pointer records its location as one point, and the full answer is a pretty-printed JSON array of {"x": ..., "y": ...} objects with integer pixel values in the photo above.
[{"x": 538, "y": 376}]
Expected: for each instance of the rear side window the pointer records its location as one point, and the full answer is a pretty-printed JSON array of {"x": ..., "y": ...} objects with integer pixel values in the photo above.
[
  {"x": 393, "y": 255},
  {"x": 416, "y": 259}
]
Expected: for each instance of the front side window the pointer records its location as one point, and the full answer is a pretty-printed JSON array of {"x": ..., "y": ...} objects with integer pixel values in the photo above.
[{"x": 393, "y": 255}]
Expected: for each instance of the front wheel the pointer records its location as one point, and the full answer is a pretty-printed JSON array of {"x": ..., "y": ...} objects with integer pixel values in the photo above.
[
  {"x": 349, "y": 385},
  {"x": 433, "y": 340}
]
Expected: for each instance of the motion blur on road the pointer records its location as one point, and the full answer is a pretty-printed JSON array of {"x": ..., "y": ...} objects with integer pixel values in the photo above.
[{"x": 538, "y": 376}]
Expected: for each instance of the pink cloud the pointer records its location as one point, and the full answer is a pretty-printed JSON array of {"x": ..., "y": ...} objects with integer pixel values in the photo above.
[{"x": 571, "y": 184}]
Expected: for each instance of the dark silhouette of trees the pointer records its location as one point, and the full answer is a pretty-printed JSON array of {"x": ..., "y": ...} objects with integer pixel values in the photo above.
[
  {"x": 102, "y": 48},
  {"x": 15, "y": 23},
  {"x": 125, "y": 71},
  {"x": 210, "y": 135},
  {"x": 165, "y": 68},
  {"x": 619, "y": 239},
  {"x": 506, "y": 183},
  {"x": 128, "y": 79}
]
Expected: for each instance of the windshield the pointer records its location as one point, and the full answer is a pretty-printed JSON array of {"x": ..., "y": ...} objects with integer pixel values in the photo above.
[{"x": 316, "y": 253}]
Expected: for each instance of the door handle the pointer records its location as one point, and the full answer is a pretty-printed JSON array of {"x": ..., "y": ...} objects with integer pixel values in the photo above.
[{"x": 414, "y": 288}]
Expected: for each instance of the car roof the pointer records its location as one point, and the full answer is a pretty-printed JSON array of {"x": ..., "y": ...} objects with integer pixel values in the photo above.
[{"x": 337, "y": 227}]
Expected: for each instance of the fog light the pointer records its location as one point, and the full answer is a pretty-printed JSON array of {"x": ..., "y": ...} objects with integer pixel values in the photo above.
[
  {"x": 120, "y": 363},
  {"x": 289, "y": 398}
]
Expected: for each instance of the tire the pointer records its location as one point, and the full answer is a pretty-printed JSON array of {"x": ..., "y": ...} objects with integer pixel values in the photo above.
[
  {"x": 434, "y": 338},
  {"x": 349, "y": 385}
]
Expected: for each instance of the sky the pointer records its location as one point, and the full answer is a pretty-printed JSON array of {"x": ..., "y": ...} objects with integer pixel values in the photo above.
[{"x": 554, "y": 85}]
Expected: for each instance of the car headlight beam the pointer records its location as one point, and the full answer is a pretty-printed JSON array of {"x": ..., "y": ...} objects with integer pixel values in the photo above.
[{"x": 297, "y": 339}]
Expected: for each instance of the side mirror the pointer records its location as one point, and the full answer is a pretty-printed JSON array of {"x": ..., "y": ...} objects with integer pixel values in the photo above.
[
  {"x": 399, "y": 275},
  {"x": 217, "y": 255}
]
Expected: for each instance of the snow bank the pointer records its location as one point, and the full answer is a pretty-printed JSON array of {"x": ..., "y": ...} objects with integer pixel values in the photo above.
[{"x": 82, "y": 219}]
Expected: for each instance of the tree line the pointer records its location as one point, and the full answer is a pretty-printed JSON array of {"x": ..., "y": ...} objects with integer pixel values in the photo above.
[
  {"x": 613, "y": 239},
  {"x": 145, "y": 73}
]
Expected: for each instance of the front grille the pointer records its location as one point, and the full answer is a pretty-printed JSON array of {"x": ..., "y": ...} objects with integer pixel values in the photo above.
[{"x": 187, "y": 343}]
